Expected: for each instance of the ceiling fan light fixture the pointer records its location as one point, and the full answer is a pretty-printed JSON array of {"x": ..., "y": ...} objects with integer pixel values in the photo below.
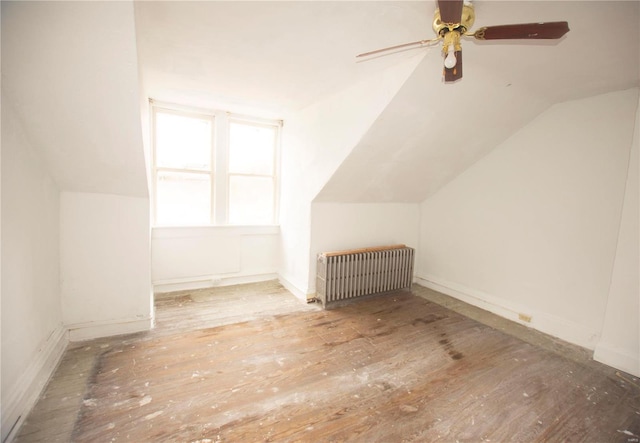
[
  {"x": 449, "y": 47},
  {"x": 450, "y": 60}
]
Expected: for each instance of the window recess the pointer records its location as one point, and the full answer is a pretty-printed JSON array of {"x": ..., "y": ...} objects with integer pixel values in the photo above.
[{"x": 213, "y": 168}]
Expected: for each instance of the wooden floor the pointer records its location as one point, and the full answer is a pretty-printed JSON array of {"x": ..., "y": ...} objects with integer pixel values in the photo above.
[{"x": 251, "y": 363}]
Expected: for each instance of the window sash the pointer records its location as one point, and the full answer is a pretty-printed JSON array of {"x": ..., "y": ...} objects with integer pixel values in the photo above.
[
  {"x": 220, "y": 176},
  {"x": 185, "y": 198}
]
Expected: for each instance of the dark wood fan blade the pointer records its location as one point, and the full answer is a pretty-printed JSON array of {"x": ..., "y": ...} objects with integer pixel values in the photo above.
[
  {"x": 550, "y": 30},
  {"x": 450, "y": 10},
  {"x": 455, "y": 73}
]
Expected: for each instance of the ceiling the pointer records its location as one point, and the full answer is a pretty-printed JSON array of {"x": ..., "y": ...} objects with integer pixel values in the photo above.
[
  {"x": 75, "y": 73},
  {"x": 276, "y": 58},
  {"x": 283, "y": 56},
  {"x": 269, "y": 57}
]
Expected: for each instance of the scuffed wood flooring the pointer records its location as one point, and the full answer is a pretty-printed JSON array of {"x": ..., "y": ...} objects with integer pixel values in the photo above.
[{"x": 396, "y": 368}]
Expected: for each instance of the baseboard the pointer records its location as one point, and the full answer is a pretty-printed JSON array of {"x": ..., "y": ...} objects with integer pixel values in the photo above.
[
  {"x": 295, "y": 290},
  {"x": 209, "y": 281},
  {"x": 558, "y": 327},
  {"x": 617, "y": 358},
  {"x": 90, "y": 330},
  {"x": 188, "y": 284},
  {"x": 25, "y": 393}
]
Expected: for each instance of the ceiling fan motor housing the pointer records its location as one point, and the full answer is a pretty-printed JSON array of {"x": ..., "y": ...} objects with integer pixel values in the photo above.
[{"x": 466, "y": 21}]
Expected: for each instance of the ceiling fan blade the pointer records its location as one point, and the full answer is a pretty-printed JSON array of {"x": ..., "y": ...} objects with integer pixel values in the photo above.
[
  {"x": 450, "y": 10},
  {"x": 404, "y": 45},
  {"x": 455, "y": 73},
  {"x": 549, "y": 30}
]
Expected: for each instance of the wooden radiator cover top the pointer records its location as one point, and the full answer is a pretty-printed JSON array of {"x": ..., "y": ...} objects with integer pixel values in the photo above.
[{"x": 360, "y": 250}]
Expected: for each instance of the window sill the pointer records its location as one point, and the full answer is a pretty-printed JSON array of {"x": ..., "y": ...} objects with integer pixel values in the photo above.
[{"x": 205, "y": 230}]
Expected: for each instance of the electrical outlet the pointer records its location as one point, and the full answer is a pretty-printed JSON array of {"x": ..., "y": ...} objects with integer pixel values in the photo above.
[{"x": 525, "y": 317}]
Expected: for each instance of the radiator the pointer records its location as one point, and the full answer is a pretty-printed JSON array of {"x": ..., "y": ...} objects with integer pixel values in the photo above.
[{"x": 346, "y": 275}]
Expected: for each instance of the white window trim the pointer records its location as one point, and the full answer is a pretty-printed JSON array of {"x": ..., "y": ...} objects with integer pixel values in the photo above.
[{"x": 219, "y": 172}]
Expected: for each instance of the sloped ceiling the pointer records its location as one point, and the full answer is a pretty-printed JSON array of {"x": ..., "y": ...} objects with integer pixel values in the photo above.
[
  {"x": 70, "y": 71},
  {"x": 431, "y": 132}
]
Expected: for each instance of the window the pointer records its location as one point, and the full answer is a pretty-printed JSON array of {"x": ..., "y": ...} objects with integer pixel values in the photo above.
[{"x": 213, "y": 168}]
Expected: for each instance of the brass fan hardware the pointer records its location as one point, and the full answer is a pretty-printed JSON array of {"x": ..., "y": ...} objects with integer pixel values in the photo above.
[
  {"x": 453, "y": 19},
  {"x": 466, "y": 21}
]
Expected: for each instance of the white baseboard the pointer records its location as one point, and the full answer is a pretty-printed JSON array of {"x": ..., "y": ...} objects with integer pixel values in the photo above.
[
  {"x": 558, "y": 327},
  {"x": 88, "y": 331},
  {"x": 617, "y": 358},
  {"x": 187, "y": 284},
  {"x": 209, "y": 281},
  {"x": 295, "y": 290},
  {"x": 24, "y": 394}
]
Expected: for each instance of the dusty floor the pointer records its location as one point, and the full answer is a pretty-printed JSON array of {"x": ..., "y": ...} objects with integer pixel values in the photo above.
[{"x": 252, "y": 363}]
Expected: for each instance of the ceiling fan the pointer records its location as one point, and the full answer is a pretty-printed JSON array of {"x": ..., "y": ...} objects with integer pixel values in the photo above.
[{"x": 454, "y": 18}]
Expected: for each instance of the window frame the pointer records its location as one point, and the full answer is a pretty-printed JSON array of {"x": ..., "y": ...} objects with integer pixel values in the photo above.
[{"x": 219, "y": 172}]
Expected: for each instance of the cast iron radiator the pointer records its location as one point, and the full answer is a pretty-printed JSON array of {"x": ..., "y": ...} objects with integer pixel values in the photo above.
[{"x": 346, "y": 275}]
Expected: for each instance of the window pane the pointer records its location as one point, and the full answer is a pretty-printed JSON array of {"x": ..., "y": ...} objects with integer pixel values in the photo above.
[
  {"x": 183, "y": 199},
  {"x": 183, "y": 142},
  {"x": 251, "y": 149},
  {"x": 250, "y": 200}
]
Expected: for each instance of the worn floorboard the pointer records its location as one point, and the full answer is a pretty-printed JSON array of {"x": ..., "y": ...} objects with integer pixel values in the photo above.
[{"x": 227, "y": 366}]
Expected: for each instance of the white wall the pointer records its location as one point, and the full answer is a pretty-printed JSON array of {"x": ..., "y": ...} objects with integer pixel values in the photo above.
[
  {"x": 315, "y": 142},
  {"x": 340, "y": 226},
  {"x": 532, "y": 228},
  {"x": 619, "y": 344},
  {"x": 105, "y": 264},
  {"x": 197, "y": 257},
  {"x": 33, "y": 337}
]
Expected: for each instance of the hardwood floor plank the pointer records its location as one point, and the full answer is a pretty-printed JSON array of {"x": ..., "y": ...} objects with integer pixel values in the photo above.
[{"x": 397, "y": 368}]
